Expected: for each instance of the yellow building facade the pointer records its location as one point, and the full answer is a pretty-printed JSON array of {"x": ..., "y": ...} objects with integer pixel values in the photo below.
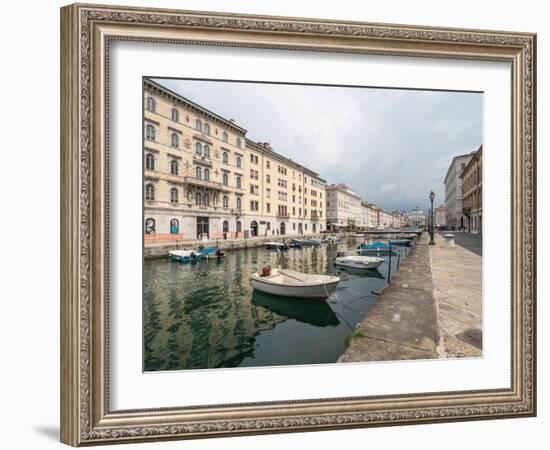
[{"x": 204, "y": 179}]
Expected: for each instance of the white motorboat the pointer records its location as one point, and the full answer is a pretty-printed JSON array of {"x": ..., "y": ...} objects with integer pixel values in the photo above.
[
  {"x": 358, "y": 262},
  {"x": 288, "y": 283},
  {"x": 184, "y": 255}
]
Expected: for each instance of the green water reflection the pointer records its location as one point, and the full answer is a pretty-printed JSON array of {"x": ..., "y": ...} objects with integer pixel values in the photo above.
[{"x": 207, "y": 315}]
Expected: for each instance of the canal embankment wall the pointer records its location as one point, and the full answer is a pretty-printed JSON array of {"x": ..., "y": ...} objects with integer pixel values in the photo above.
[
  {"x": 161, "y": 249},
  {"x": 403, "y": 323}
]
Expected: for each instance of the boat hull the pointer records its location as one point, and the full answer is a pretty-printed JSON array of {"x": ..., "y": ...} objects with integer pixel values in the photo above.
[
  {"x": 358, "y": 264},
  {"x": 276, "y": 246},
  {"x": 320, "y": 292},
  {"x": 184, "y": 256},
  {"x": 401, "y": 242}
]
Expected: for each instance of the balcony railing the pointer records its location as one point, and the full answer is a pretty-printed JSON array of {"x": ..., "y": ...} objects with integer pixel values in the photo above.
[
  {"x": 281, "y": 215},
  {"x": 315, "y": 216},
  {"x": 205, "y": 183},
  {"x": 202, "y": 160}
]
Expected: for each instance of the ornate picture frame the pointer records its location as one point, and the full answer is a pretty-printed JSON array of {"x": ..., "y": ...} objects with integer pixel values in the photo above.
[{"x": 86, "y": 34}]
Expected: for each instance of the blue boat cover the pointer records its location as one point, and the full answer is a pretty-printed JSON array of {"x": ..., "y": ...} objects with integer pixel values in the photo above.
[{"x": 375, "y": 246}]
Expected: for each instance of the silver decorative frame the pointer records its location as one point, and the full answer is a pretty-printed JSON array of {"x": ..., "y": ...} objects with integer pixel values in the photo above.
[{"x": 86, "y": 31}]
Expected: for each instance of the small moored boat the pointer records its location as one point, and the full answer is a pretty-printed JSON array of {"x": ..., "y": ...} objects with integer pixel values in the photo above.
[
  {"x": 184, "y": 256},
  {"x": 401, "y": 242},
  {"x": 293, "y": 244},
  {"x": 378, "y": 246},
  {"x": 288, "y": 283},
  {"x": 276, "y": 246},
  {"x": 212, "y": 252},
  {"x": 358, "y": 262},
  {"x": 306, "y": 241}
]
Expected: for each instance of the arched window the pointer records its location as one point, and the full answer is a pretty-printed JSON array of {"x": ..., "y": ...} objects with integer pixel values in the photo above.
[
  {"x": 174, "y": 140},
  {"x": 239, "y": 142},
  {"x": 225, "y": 201},
  {"x": 239, "y": 183},
  {"x": 150, "y": 226},
  {"x": 198, "y": 173},
  {"x": 239, "y": 226},
  {"x": 149, "y": 192},
  {"x": 225, "y": 137},
  {"x": 225, "y": 179},
  {"x": 207, "y": 151},
  {"x": 225, "y": 226},
  {"x": 174, "y": 195},
  {"x": 175, "y": 115},
  {"x": 149, "y": 162},
  {"x": 174, "y": 167},
  {"x": 150, "y": 132},
  {"x": 206, "y": 199},
  {"x": 239, "y": 204},
  {"x": 239, "y": 161},
  {"x": 174, "y": 226},
  {"x": 198, "y": 148},
  {"x": 225, "y": 157},
  {"x": 198, "y": 125},
  {"x": 151, "y": 104},
  {"x": 207, "y": 174},
  {"x": 207, "y": 128},
  {"x": 198, "y": 198}
]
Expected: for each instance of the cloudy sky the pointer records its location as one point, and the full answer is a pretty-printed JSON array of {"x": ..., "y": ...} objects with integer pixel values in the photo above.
[{"x": 390, "y": 146}]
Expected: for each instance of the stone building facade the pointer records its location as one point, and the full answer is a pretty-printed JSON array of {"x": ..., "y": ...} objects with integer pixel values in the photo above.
[
  {"x": 204, "y": 179},
  {"x": 455, "y": 218},
  {"x": 344, "y": 208},
  {"x": 472, "y": 193},
  {"x": 441, "y": 216},
  {"x": 416, "y": 218}
]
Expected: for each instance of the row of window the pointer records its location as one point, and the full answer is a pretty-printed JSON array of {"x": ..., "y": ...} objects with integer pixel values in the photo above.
[
  {"x": 200, "y": 198},
  {"x": 200, "y": 173},
  {"x": 151, "y": 105},
  {"x": 203, "y": 199},
  {"x": 202, "y": 150},
  {"x": 151, "y": 226}
]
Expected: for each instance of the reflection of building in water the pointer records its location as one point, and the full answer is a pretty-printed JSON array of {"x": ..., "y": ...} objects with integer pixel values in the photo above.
[
  {"x": 204, "y": 327},
  {"x": 204, "y": 179}
]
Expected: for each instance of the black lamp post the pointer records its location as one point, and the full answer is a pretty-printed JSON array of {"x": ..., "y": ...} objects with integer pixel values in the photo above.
[{"x": 432, "y": 196}]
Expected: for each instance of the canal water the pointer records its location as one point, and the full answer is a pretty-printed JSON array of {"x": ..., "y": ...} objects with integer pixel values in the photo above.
[{"x": 206, "y": 315}]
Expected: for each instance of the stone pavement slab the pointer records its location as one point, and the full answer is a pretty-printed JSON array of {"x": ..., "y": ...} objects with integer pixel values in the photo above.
[
  {"x": 403, "y": 323},
  {"x": 457, "y": 277}
]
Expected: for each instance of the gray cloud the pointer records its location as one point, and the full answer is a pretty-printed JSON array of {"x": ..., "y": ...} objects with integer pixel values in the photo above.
[{"x": 390, "y": 146}]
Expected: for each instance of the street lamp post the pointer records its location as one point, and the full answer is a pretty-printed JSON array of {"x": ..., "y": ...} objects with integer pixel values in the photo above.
[{"x": 432, "y": 196}]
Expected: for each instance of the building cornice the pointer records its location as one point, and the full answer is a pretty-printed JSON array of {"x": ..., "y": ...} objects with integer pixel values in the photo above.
[{"x": 152, "y": 85}]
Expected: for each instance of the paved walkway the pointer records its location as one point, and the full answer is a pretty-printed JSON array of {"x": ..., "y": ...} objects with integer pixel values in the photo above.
[
  {"x": 431, "y": 309},
  {"x": 458, "y": 293},
  {"x": 403, "y": 323}
]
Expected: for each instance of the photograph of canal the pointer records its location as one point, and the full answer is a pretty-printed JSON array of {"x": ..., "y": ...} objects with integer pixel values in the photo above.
[{"x": 291, "y": 224}]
